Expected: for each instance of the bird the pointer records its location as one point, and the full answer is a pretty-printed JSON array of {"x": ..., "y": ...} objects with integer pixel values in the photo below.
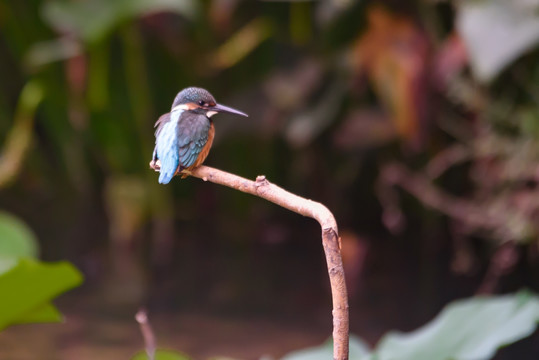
[{"x": 184, "y": 136}]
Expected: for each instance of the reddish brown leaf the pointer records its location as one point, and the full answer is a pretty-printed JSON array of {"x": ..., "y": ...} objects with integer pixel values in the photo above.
[{"x": 394, "y": 54}]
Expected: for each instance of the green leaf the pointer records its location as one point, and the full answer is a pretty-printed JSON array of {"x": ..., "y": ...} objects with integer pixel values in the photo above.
[
  {"x": 471, "y": 329},
  {"x": 162, "y": 355},
  {"x": 79, "y": 18},
  {"x": 6, "y": 263},
  {"x": 16, "y": 238},
  {"x": 497, "y": 32},
  {"x": 466, "y": 330},
  {"x": 42, "y": 313},
  {"x": 30, "y": 285},
  {"x": 358, "y": 350}
]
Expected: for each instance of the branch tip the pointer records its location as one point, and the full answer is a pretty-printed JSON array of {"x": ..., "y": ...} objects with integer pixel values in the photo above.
[{"x": 141, "y": 317}]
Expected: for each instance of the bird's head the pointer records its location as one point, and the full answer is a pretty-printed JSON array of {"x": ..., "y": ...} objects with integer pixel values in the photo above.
[{"x": 200, "y": 101}]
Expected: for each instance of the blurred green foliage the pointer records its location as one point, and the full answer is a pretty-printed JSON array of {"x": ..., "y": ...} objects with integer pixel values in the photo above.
[
  {"x": 17, "y": 239},
  {"x": 471, "y": 329},
  {"x": 467, "y": 329},
  {"x": 357, "y": 104},
  {"x": 28, "y": 285}
]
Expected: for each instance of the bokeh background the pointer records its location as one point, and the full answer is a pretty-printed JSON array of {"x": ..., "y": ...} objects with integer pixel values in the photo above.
[{"x": 415, "y": 122}]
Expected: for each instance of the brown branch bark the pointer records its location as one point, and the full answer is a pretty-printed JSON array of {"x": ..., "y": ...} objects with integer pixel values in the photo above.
[{"x": 330, "y": 238}]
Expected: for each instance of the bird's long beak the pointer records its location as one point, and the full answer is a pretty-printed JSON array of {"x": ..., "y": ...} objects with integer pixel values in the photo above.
[{"x": 223, "y": 108}]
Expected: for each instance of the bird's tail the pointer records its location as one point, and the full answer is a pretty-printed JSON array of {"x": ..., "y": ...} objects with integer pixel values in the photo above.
[
  {"x": 169, "y": 165},
  {"x": 165, "y": 177},
  {"x": 166, "y": 149}
]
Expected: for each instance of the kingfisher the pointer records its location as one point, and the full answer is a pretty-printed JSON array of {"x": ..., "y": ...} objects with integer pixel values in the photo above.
[{"x": 184, "y": 135}]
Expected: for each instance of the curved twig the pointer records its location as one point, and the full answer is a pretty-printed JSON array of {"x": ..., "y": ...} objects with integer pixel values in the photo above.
[{"x": 330, "y": 238}]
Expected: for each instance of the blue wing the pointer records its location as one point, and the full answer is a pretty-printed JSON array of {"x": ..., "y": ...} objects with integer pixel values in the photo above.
[{"x": 193, "y": 132}]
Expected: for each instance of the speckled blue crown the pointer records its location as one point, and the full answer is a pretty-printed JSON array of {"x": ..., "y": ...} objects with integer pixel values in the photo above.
[{"x": 194, "y": 95}]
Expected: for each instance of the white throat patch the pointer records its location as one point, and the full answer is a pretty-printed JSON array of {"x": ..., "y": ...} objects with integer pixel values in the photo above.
[
  {"x": 180, "y": 107},
  {"x": 211, "y": 113}
]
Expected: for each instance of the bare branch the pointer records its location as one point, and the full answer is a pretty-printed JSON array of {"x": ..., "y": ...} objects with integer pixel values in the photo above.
[
  {"x": 330, "y": 238},
  {"x": 498, "y": 216},
  {"x": 501, "y": 263},
  {"x": 446, "y": 159}
]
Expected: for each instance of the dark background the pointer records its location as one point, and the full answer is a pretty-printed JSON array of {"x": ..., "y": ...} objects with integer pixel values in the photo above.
[{"x": 378, "y": 109}]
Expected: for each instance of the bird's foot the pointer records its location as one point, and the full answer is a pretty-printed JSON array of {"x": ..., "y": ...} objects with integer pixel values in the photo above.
[
  {"x": 155, "y": 164},
  {"x": 185, "y": 173}
]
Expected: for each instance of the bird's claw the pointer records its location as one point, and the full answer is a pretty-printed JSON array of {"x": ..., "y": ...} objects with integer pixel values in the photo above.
[
  {"x": 155, "y": 164},
  {"x": 185, "y": 173}
]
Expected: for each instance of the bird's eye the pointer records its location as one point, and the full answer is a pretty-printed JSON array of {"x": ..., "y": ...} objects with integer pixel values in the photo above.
[{"x": 201, "y": 103}]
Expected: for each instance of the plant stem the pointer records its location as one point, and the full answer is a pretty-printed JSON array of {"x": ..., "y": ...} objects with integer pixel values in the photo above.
[{"x": 147, "y": 333}]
